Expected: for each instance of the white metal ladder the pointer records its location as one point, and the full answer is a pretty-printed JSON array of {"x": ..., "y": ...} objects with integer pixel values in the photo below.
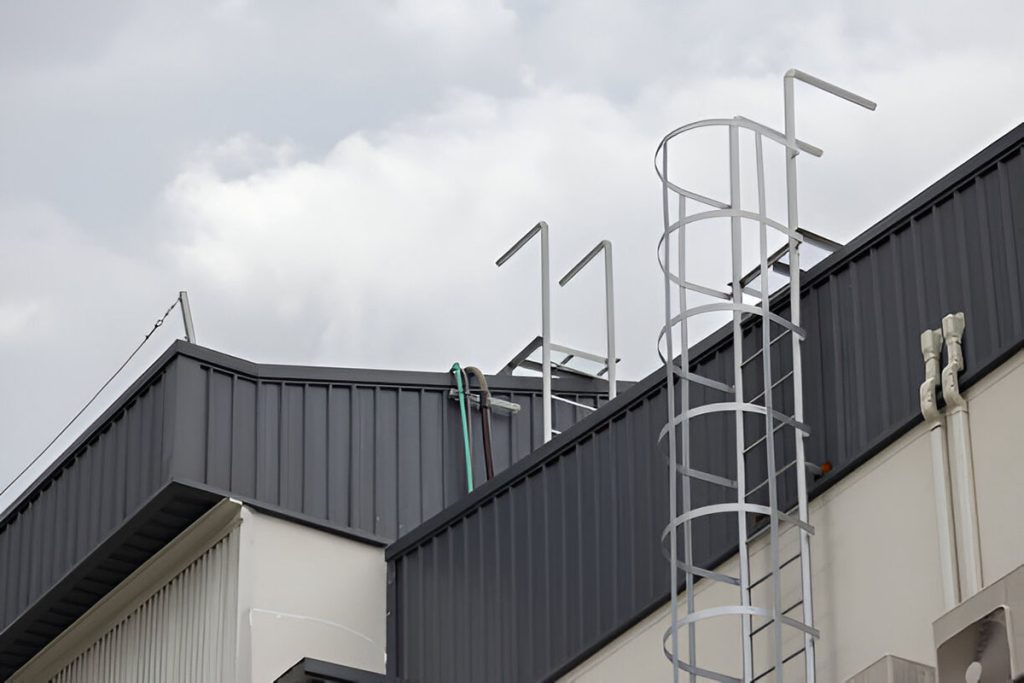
[
  {"x": 762, "y": 398},
  {"x": 567, "y": 354}
]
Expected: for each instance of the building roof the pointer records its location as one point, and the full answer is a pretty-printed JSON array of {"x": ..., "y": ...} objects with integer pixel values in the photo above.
[
  {"x": 317, "y": 445},
  {"x": 561, "y": 553}
]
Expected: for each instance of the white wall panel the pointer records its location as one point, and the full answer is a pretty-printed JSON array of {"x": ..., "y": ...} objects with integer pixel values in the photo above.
[{"x": 184, "y": 632}]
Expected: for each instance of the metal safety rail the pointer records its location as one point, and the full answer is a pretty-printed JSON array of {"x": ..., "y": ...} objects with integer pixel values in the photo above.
[
  {"x": 761, "y": 484},
  {"x": 567, "y": 354}
]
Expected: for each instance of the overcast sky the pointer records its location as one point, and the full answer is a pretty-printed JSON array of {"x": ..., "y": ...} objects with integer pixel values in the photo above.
[{"x": 332, "y": 181}]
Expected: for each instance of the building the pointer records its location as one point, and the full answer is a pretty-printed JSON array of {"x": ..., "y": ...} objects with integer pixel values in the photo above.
[{"x": 225, "y": 520}]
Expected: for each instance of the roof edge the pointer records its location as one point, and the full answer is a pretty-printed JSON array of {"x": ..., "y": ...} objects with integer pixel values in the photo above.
[
  {"x": 1004, "y": 145},
  {"x": 277, "y": 373}
]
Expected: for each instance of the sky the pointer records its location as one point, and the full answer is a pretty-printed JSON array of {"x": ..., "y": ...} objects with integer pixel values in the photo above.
[{"x": 332, "y": 181}]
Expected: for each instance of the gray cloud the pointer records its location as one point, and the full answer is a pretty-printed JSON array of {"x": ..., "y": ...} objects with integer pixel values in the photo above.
[{"x": 332, "y": 181}]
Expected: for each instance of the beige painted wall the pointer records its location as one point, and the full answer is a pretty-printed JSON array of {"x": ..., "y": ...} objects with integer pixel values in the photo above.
[
  {"x": 876, "y": 578},
  {"x": 997, "y": 438},
  {"x": 280, "y": 592},
  {"x": 307, "y": 593},
  {"x": 170, "y": 620}
]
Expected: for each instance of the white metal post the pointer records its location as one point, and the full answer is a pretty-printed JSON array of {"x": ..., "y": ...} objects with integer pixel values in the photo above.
[
  {"x": 545, "y": 314},
  {"x": 186, "y": 316},
  {"x": 545, "y": 326},
  {"x": 672, "y": 443},
  {"x": 609, "y": 315},
  {"x": 609, "y": 296},
  {"x": 794, "y": 303}
]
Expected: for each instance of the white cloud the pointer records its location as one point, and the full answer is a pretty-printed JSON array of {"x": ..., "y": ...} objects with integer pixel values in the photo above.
[
  {"x": 333, "y": 181},
  {"x": 451, "y": 23},
  {"x": 72, "y": 310},
  {"x": 16, "y": 318},
  {"x": 382, "y": 250},
  {"x": 390, "y": 239}
]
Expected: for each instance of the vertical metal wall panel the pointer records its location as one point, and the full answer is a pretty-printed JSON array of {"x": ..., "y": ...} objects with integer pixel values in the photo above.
[
  {"x": 105, "y": 476},
  {"x": 377, "y": 457},
  {"x": 573, "y": 555},
  {"x": 185, "y": 631}
]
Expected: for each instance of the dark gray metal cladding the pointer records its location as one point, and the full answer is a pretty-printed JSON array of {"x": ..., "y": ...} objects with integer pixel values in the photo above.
[
  {"x": 157, "y": 521},
  {"x": 377, "y": 451},
  {"x": 374, "y": 451},
  {"x": 316, "y": 671},
  {"x": 561, "y": 553}
]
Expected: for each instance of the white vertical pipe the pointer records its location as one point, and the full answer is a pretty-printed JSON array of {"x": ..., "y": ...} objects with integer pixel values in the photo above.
[
  {"x": 931, "y": 348},
  {"x": 969, "y": 551}
]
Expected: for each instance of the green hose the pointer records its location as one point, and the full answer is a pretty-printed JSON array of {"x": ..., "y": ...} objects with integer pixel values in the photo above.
[{"x": 457, "y": 371}]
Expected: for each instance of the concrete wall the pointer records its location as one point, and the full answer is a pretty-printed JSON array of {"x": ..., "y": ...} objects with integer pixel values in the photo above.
[{"x": 874, "y": 555}]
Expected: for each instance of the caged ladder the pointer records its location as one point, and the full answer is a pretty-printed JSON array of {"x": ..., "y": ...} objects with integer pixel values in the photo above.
[{"x": 757, "y": 400}]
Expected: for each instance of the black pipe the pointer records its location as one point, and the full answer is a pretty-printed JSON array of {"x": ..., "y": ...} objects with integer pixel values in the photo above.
[{"x": 485, "y": 417}]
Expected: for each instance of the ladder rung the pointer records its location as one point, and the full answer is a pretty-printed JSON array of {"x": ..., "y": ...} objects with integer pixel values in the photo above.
[
  {"x": 789, "y": 516},
  {"x": 555, "y": 431},
  {"x": 771, "y": 621},
  {"x": 707, "y": 291},
  {"x": 809, "y": 466},
  {"x": 767, "y": 576},
  {"x": 576, "y": 353},
  {"x": 772, "y": 668},
  {"x": 774, "y": 385},
  {"x": 705, "y": 381},
  {"x": 757, "y": 354},
  {"x": 706, "y": 476},
  {"x": 778, "y": 472},
  {"x": 573, "y": 403},
  {"x": 758, "y": 442}
]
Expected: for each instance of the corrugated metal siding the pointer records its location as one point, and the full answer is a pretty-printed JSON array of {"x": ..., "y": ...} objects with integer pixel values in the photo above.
[
  {"x": 104, "y": 480},
  {"x": 542, "y": 569},
  {"x": 183, "y": 632},
  {"x": 380, "y": 458},
  {"x": 376, "y": 451},
  {"x": 563, "y": 553}
]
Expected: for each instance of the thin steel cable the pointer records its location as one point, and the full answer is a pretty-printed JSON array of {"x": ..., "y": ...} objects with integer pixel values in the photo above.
[{"x": 138, "y": 348}]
